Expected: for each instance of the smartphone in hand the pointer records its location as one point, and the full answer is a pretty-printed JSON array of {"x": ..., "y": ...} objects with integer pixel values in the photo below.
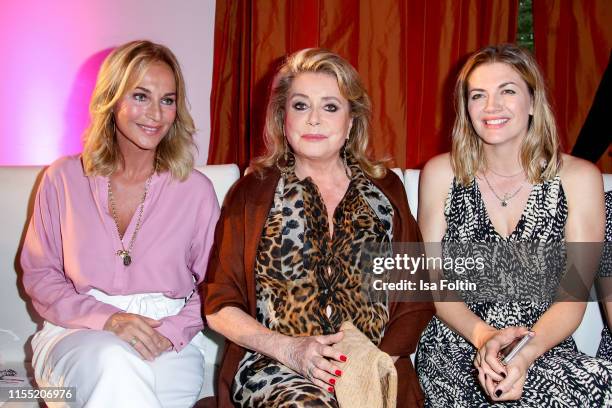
[{"x": 511, "y": 350}]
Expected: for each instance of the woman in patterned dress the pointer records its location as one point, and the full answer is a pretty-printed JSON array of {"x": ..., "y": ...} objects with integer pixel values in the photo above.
[
  {"x": 284, "y": 271},
  {"x": 505, "y": 181},
  {"x": 605, "y": 345}
]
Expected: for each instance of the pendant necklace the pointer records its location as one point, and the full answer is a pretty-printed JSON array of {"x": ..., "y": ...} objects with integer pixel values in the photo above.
[
  {"x": 507, "y": 197},
  {"x": 125, "y": 254}
]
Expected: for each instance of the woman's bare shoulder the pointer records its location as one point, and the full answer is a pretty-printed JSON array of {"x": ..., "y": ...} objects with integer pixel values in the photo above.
[
  {"x": 579, "y": 175},
  {"x": 438, "y": 172}
]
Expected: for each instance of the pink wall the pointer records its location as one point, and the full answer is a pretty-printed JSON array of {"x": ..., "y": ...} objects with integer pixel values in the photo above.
[{"x": 51, "y": 53}]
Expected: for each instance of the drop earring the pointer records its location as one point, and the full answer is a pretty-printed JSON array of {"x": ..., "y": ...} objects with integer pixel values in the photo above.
[
  {"x": 288, "y": 160},
  {"x": 286, "y": 148},
  {"x": 344, "y": 159}
]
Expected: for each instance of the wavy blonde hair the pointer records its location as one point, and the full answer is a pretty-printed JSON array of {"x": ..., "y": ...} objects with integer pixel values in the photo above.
[
  {"x": 318, "y": 60},
  {"x": 120, "y": 72},
  {"x": 539, "y": 155}
]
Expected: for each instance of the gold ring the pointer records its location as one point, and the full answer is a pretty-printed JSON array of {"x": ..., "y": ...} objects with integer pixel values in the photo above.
[{"x": 133, "y": 341}]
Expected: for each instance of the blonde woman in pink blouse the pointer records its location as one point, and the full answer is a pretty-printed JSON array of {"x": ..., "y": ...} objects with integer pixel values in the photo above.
[{"x": 118, "y": 241}]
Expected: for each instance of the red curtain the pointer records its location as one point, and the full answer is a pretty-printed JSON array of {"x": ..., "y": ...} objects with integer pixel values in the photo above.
[
  {"x": 407, "y": 52},
  {"x": 573, "y": 40}
]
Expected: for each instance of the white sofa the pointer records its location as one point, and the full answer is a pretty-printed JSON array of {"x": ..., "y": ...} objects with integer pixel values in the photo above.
[{"x": 18, "y": 321}]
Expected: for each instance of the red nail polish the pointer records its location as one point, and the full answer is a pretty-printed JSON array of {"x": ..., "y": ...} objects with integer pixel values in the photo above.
[
  {"x": 330, "y": 389},
  {"x": 338, "y": 373},
  {"x": 342, "y": 358},
  {"x": 332, "y": 381}
]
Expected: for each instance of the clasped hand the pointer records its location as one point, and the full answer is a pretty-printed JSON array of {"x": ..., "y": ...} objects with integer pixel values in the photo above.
[
  {"x": 501, "y": 382},
  {"x": 139, "y": 332},
  {"x": 315, "y": 359}
]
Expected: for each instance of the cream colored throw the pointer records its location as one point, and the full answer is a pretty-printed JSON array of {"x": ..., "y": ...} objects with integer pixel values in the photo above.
[{"x": 369, "y": 379}]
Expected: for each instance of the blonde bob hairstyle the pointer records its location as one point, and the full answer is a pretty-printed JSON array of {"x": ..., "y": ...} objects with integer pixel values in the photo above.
[
  {"x": 317, "y": 60},
  {"x": 121, "y": 71},
  {"x": 539, "y": 155}
]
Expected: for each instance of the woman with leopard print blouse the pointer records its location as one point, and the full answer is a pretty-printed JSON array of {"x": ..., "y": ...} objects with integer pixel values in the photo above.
[{"x": 282, "y": 276}]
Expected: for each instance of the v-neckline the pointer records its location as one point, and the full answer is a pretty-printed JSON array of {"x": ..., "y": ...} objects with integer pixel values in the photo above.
[
  {"x": 105, "y": 205},
  {"x": 327, "y": 235},
  {"x": 526, "y": 210},
  {"x": 130, "y": 227}
]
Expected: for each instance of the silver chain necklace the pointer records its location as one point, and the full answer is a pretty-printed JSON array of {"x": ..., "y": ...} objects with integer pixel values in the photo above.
[
  {"x": 125, "y": 254},
  {"x": 507, "y": 197},
  {"x": 503, "y": 175}
]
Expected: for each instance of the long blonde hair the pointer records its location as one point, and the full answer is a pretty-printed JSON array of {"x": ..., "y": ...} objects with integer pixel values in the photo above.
[
  {"x": 319, "y": 60},
  {"x": 539, "y": 155},
  {"x": 121, "y": 70}
]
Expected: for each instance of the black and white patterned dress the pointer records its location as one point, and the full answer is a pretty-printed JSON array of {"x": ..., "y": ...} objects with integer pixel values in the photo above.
[
  {"x": 605, "y": 346},
  {"x": 562, "y": 377}
]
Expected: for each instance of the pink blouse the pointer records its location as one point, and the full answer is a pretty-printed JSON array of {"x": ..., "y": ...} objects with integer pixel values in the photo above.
[{"x": 72, "y": 241}]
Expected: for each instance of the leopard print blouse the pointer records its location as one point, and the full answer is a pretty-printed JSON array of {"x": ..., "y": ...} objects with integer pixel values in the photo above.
[{"x": 308, "y": 283}]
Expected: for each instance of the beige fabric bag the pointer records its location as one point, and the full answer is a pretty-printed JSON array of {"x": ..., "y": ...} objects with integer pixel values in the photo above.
[{"x": 369, "y": 379}]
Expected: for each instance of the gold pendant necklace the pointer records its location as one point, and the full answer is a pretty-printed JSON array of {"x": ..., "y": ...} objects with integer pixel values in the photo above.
[
  {"x": 507, "y": 197},
  {"x": 125, "y": 254}
]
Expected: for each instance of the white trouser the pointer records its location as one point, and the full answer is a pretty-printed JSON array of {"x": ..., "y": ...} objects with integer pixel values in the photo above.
[{"x": 108, "y": 372}]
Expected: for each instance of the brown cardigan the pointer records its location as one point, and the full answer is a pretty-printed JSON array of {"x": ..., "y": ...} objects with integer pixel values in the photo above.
[{"x": 230, "y": 279}]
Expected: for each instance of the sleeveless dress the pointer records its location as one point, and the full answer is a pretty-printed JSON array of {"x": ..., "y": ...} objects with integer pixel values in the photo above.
[
  {"x": 605, "y": 346},
  {"x": 562, "y": 377}
]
